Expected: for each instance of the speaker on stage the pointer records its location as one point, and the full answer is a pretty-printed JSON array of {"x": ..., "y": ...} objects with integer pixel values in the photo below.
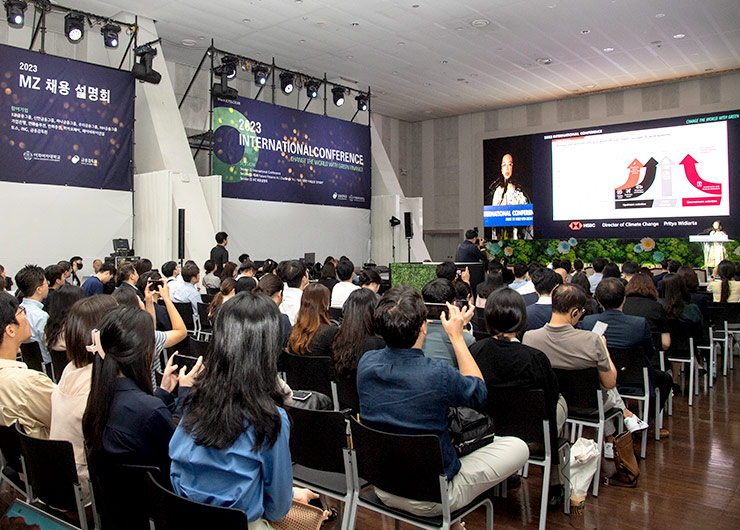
[
  {"x": 181, "y": 234},
  {"x": 408, "y": 225}
]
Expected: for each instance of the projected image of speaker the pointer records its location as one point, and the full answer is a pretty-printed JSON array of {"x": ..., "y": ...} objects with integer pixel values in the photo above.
[{"x": 408, "y": 225}]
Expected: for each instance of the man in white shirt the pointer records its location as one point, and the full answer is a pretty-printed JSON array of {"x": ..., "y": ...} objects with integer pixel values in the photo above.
[
  {"x": 342, "y": 290},
  {"x": 295, "y": 276},
  {"x": 171, "y": 272},
  {"x": 187, "y": 291},
  {"x": 595, "y": 278},
  {"x": 521, "y": 284},
  {"x": 32, "y": 283}
]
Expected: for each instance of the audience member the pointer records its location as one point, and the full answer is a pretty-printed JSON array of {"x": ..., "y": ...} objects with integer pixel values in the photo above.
[
  {"x": 404, "y": 392},
  {"x": 273, "y": 287},
  {"x": 437, "y": 295},
  {"x": 127, "y": 277},
  {"x": 469, "y": 250},
  {"x": 340, "y": 292},
  {"x": 67, "y": 266},
  {"x": 269, "y": 266},
  {"x": 244, "y": 450},
  {"x": 210, "y": 280},
  {"x": 187, "y": 291},
  {"x": 25, "y": 394},
  {"x": 521, "y": 278},
  {"x": 96, "y": 283},
  {"x": 125, "y": 421},
  {"x": 664, "y": 265},
  {"x": 69, "y": 399},
  {"x": 65, "y": 298},
  {"x": 247, "y": 269},
  {"x": 447, "y": 270},
  {"x": 96, "y": 264},
  {"x": 3, "y": 279},
  {"x": 539, "y": 313},
  {"x": 76, "y": 262},
  {"x": 577, "y": 266},
  {"x": 312, "y": 331},
  {"x": 245, "y": 283},
  {"x": 226, "y": 291},
  {"x": 463, "y": 293},
  {"x": 171, "y": 273},
  {"x": 53, "y": 275},
  {"x": 642, "y": 301},
  {"x": 628, "y": 331},
  {"x": 581, "y": 280},
  {"x": 724, "y": 287},
  {"x": 688, "y": 275},
  {"x": 629, "y": 269},
  {"x": 219, "y": 254},
  {"x": 163, "y": 322},
  {"x": 243, "y": 258},
  {"x": 673, "y": 266},
  {"x": 33, "y": 287},
  {"x": 370, "y": 279},
  {"x": 493, "y": 281},
  {"x": 567, "y": 267},
  {"x": 328, "y": 275},
  {"x": 505, "y": 362},
  {"x": 681, "y": 312},
  {"x": 143, "y": 265},
  {"x": 595, "y": 278},
  {"x": 611, "y": 270},
  {"x": 560, "y": 271},
  {"x": 295, "y": 276},
  {"x": 229, "y": 270}
]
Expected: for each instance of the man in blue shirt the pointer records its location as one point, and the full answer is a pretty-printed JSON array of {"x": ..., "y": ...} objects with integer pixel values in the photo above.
[
  {"x": 187, "y": 291},
  {"x": 404, "y": 392},
  {"x": 32, "y": 284},
  {"x": 95, "y": 284},
  {"x": 437, "y": 345}
]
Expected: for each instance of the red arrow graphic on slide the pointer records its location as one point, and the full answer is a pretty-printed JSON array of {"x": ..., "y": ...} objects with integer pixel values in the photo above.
[
  {"x": 689, "y": 167},
  {"x": 634, "y": 168}
]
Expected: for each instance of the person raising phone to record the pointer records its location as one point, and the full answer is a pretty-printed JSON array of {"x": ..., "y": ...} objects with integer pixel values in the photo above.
[{"x": 437, "y": 294}]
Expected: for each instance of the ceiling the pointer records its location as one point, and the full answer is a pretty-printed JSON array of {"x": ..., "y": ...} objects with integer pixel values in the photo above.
[{"x": 432, "y": 58}]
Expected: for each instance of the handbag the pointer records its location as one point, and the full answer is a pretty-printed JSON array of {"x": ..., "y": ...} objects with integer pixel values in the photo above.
[
  {"x": 300, "y": 517},
  {"x": 628, "y": 471},
  {"x": 469, "y": 429}
]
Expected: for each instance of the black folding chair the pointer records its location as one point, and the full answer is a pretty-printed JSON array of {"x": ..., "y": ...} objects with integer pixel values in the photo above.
[
  {"x": 59, "y": 362},
  {"x": 523, "y": 413},
  {"x": 308, "y": 372},
  {"x": 321, "y": 458},
  {"x": 31, "y": 355},
  {"x": 408, "y": 466},
  {"x": 582, "y": 392},
  {"x": 197, "y": 347},
  {"x": 10, "y": 459},
  {"x": 346, "y": 393},
  {"x": 51, "y": 475},
  {"x": 186, "y": 312},
  {"x": 206, "y": 328},
  {"x": 212, "y": 291},
  {"x": 169, "y": 511},
  {"x": 336, "y": 314},
  {"x": 633, "y": 382}
]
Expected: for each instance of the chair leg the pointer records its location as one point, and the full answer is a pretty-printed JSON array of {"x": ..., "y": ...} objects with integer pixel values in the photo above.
[
  {"x": 658, "y": 414},
  {"x": 566, "y": 481},
  {"x": 691, "y": 382},
  {"x": 643, "y": 448},
  {"x": 545, "y": 490},
  {"x": 597, "y": 475},
  {"x": 526, "y": 470}
]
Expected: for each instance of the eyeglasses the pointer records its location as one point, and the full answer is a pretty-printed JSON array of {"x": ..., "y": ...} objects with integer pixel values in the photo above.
[{"x": 22, "y": 310}]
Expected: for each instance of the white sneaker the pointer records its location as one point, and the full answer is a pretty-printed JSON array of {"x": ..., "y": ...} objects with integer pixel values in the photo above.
[
  {"x": 609, "y": 450},
  {"x": 634, "y": 424}
]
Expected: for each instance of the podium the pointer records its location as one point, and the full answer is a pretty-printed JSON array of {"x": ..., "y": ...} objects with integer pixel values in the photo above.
[{"x": 714, "y": 248}]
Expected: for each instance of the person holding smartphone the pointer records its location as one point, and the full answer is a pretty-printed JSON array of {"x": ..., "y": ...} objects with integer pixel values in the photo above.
[{"x": 437, "y": 294}]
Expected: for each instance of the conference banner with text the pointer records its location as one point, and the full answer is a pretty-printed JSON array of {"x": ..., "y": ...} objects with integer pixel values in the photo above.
[
  {"x": 65, "y": 122},
  {"x": 272, "y": 153}
]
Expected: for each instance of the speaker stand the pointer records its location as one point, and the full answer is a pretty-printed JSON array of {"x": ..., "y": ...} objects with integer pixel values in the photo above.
[{"x": 408, "y": 240}]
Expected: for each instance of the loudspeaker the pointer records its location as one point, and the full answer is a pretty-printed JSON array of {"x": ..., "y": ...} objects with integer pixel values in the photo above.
[
  {"x": 408, "y": 225},
  {"x": 180, "y": 234}
]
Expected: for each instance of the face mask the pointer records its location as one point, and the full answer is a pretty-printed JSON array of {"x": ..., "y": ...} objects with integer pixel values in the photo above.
[{"x": 79, "y": 265}]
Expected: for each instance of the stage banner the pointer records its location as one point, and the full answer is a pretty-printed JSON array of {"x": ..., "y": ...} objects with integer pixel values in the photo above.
[
  {"x": 272, "y": 153},
  {"x": 65, "y": 122}
]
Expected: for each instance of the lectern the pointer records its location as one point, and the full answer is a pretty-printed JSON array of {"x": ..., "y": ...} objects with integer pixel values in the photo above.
[{"x": 714, "y": 248}]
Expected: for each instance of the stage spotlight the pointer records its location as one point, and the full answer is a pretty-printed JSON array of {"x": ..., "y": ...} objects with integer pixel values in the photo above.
[
  {"x": 261, "y": 73},
  {"x": 226, "y": 71},
  {"x": 286, "y": 82},
  {"x": 74, "y": 26},
  {"x": 110, "y": 35},
  {"x": 395, "y": 221},
  {"x": 312, "y": 88},
  {"x": 228, "y": 65},
  {"x": 15, "y": 11},
  {"x": 143, "y": 69},
  {"x": 361, "y": 102},
  {"x": 338, "y": 94}
]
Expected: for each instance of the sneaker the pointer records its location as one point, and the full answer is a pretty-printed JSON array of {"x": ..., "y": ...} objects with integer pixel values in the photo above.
[
  {"x": 609, "y": 450},
  {"x": 634, "y": 424}
]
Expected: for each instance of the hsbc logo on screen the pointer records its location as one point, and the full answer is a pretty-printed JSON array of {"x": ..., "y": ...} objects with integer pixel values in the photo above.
[{"x": 578, "y": 225}]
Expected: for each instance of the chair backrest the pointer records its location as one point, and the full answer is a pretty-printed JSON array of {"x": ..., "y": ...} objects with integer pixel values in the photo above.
[
  {"x": 317, "y": 438},
  {"x": 722, "y": 312},
  {"x": 10, "y": 447},
  {"x": 172, "y": 512},
  {"x": 50, "y": 471},
  {"x": 117, "y": 490},
  {"x": 205, "y": 322},
  {"x": 31, "y": 355},
  {"x": 197, "y": 347},
  {"x": 401, "y": 464},
  {"x": 347, "y": 392},
  {"x": 307, "y": 372},
  {"x": 213, "y": 291},
  {"x": 186, "y": 312},
  {"x": 579, "y": 388},
  {"x": 505, "y": 406},
  {"x": 59, "y": 362},
  {"x": 629, "y": 363},
  {"x": 681, "y": 335},
  {"x": 336, "y": 313},
  {"x": 206, "y": 298}
]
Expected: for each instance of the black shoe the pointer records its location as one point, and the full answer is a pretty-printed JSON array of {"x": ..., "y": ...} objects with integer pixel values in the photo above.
[
  {"x": 555, "y": 498},
  {"x": 676, "y": 389},
  {"x": 513, "y": 482}
]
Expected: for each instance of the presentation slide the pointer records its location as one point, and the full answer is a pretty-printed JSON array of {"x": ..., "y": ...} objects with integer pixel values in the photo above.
[{"x": 272, "y": 153}]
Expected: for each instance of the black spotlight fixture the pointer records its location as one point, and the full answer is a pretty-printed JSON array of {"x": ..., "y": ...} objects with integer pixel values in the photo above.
[
  {"x": 361, "y": 102},
  {"x": 338, "y": 94},
  {"x": 286, "y": 82},
  {"x": 312, "y": 88},
  {"x": 143, "y": 69},
  {"x": 226, "y": 71},
  {"x": 394, "y": 221},
  {"x": 261, "y": 73},
  {"x": 74, "y": 26},
  {"x": 110, "y": 35},
  {"x": 15, "y": 10},
  {"x": 228, "y": 65}
]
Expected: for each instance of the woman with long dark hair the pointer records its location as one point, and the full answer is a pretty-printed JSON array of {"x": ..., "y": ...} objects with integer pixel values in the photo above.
[
  {"x": 240, "y": 457},
  {"x": 64, "y": 298},
  {"x": 312, "y": 332},
  {"x": 681, "y": 312},
  {"x": 581, "y": 280},
  {"x": 126, "y": 421},
  {"x": 692, "y": 284},
  {"x": 370, "y": 279},
  {"x": 356, "y": 335},
  {"x": 229, "y": 270},
  {"x": 226, "y": 291},
  {"x": 328, "y": 275},
  {"x": 724, "y": 288},
  {"x": 641, "y": 300},
  {"x": 273, "y": 287}
]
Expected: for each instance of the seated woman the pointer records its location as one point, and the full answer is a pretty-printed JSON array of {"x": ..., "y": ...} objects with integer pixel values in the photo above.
[
  {"x": 226, "y": 291},
  {"x": 273, "y": 286},
  {"x": 505, "y": 362},
  {"x": 126, "y": 421},
  {"x": 641, "y": 300},
  {"x": 493, "y": 281},
  {"x": 723, "y": 286},
  {"x": 312, "y": 333},
  {"x": 64, "y": 298},
  {"x": 692, "y": 284},
  {"x": 69, "y": 399},
  {"x": 328, "y": 275},
  {"x": 239, "y": 458},
  {"x": 229, "y": 271},
  {"x": 679, "y": 310},
  {"x": 370, "y": 279}
]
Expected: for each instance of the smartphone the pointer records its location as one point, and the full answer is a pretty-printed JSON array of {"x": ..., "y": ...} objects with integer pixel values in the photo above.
[
  {"x": 434, "y": 311},
  {"x": 302, "y": 395},
  {"x": 600, "y": 328},
  {"x": 154, "y": 285},
  {"x": 185, "y": 360},
  {"x": 459, "y": 272},
  {"x": 462, "y": 305}
]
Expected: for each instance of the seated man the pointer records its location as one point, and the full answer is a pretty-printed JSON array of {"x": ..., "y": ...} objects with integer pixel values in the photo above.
[
  {"x": 187, "y": 291},
  {"x": 171, "y": 273},
  {"x": 96, "y": 283},
  {"x": 569, "y": 348},
  {"x": 295, "y": 276},
  {"x": 128, "y": 276},
  {"x": 437, "y": 294},
  {"x": 32, "y": 284},
  {"x": 539, "y": 313},
  {"x": 404, "y": 392},
  {"x": 53, "y": 274},
  {"x": 25, "y": 394},
  {"x": 595, "y": 278},
  {"x": 341, "y": 291},
  {"x": 627, "y": 331}
]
